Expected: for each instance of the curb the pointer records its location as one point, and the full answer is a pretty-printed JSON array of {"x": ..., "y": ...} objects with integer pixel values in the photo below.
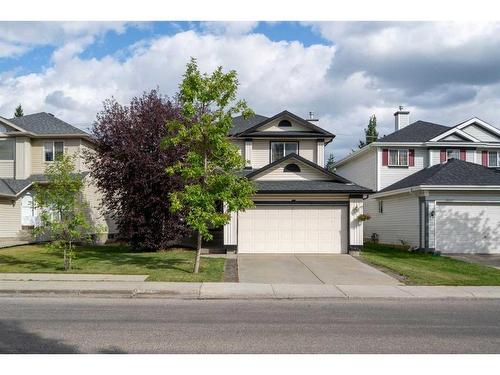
[{"x": 275, "y": 292}]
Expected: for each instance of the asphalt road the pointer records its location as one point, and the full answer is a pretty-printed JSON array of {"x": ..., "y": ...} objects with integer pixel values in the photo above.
[{"x": 91, "y": 325}]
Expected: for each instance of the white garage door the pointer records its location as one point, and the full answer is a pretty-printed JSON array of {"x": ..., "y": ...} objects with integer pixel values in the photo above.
[
  {"x": 297, "y": 229},
  {"x": 468, "y": 228}
]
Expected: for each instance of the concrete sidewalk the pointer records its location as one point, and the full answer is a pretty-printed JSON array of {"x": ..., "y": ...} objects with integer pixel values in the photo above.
[{"x": 242, "y": 290}]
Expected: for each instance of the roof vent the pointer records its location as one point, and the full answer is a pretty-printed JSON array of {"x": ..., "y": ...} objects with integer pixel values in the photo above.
[
  {"x": 311, "y": 117},
  {"x": 51, "y": 114}
]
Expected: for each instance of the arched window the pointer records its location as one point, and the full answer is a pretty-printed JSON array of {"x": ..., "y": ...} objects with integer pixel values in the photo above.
[
  {"x": 291, "y": 168},
  {"x": 284, "y": 124}
]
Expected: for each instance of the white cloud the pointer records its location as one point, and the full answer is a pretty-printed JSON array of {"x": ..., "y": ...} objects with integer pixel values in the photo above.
[
  {"x": 273, "y": 75},
  {"x": 17, "y": 38},
  {"x": 443, "y": 73}
]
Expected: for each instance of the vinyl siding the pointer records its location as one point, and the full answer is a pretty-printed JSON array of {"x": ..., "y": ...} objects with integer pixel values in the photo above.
[
  {"x": 399, "y": 221},
  {"x": 71, "y": 147},
  {"x": 308, "y": 149},
  {"x": 23, "y": 158},
  {"x": 96, "y": 212},
  {"x": 10, "y": 218},
  {"x": 260, "y": 153},
  {"x": 362, "y": 170},
  {"x": 481, "y": 134},
  {"x": 306, "y": 173},
  {"x": 390, "y": 175},
  {"x": 7, "y": 168}
]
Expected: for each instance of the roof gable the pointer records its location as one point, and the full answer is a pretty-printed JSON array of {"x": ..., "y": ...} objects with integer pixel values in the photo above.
[
  {"x": 267, "y": 125},
  {"x": 481, "y": 128},
  {"x": 308, "y": 169},
  {"x": 481, "y": 133}
]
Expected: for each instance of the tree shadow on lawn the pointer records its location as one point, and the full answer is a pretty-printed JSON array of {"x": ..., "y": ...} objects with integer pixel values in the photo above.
[{"x": 31, "y": 264}]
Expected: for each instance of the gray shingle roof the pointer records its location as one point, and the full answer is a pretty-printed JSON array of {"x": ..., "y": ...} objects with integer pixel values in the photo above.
[
  {"x": 453, "y": 172},
  {"x": 241, "y": 124},
  {"x": 12, "y": 187},
  {"x": 420, "y": 131},
  {"x": 44, "y": 123},
  {"x": 308, "y": 186}
]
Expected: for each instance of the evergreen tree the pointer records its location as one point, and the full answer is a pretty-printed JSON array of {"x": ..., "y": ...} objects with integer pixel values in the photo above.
[
  {"x": 19, "y": 111},
  {"x": 371, "y": 133},
  {"x": 330, "y": 162}
]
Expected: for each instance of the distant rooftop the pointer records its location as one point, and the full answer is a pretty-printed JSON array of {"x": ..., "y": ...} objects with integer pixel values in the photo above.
[
  {"x": 453, "y": 172},
  {"x": 45, "y": 123}
]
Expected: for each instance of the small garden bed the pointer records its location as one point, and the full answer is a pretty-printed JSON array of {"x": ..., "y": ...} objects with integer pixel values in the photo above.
[
  {"x": 428, "y": 269},
  {"x": 174, "y": 265}
]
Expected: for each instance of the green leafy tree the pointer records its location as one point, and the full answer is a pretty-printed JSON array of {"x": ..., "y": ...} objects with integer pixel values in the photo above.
[
  {"x": 64, "y": 215},
  {"x": 208, "y": 103},
  {"x": 371, "y": 133},
  {"x": 330, "y": 162},
  {"x": 19, "y": 111}
]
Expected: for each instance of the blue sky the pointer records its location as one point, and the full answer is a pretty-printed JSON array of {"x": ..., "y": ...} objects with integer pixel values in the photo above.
[{"x": 344, "y": 71}]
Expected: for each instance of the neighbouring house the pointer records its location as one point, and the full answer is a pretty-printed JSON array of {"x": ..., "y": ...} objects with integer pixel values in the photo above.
[
  {"x": 27, "y": 145},
  {"x": 437, "y": 187},
  {"x": 300, "y": 207}
]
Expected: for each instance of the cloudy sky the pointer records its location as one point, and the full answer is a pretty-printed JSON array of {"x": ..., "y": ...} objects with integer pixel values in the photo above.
[{"x": 343, "y": 71}]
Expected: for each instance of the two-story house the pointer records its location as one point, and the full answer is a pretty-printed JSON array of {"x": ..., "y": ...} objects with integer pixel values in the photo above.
[
  {"x": 300, "y": 207},
  {"x": 437, "y": 187},
  {"x": 27, "y": 145}
]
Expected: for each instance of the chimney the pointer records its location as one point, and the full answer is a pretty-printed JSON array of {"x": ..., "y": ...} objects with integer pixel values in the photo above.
[
  {"x": 311, "y": 117},
  {"x": 401, "y": 118}
]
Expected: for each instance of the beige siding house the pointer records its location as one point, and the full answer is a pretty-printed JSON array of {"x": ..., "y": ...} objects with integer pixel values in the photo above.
[
  {"x": 300, "y": 207},
  {"x": 28, "y": 145},
  {"x": 437, "y": 187}
]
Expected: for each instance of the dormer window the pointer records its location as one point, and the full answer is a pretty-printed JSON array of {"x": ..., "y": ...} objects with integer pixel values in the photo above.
[
  {"x": 284, "y": 124},
  {"x": 281, "y": 149},
  {"x": 291, "y": 168}
]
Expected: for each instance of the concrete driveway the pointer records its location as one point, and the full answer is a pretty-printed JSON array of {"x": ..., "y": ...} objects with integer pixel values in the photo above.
[{"x": 338, "y": 269}]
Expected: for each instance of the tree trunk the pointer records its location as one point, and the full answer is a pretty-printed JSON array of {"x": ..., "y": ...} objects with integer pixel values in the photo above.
[
  {"x": 66, "y": 260},
  {"x": 198, "y": 255},
  {"x": 198, "y": 247}
]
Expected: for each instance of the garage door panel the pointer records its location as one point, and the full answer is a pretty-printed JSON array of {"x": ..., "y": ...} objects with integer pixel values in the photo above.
[
  {"x": 468, "y": 227},
  {"x": 292, "y": 229}
]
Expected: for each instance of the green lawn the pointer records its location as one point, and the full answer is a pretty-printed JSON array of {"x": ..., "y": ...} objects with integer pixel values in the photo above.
[
  {"x": 175, "y": 265},
  {"x": 429, "y": 269}
]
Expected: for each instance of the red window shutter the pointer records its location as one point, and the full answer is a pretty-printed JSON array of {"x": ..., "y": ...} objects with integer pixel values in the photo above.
[
  {"x": 385, "y": 156},
  {"x": 443, "y": 155},
  {"x": 411, "y": 157},
  {"x": 485, "y": 158},
  {"x": 462, "y": 154}
]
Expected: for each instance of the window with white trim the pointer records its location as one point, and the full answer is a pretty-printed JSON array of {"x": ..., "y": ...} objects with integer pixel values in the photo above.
[
  {"x": 452, "y": 153},
  {"x": 494, "y": 159},
  {"x": 380, "y": 207},
  {"x": 51, "y": 150},
  {"x": 398, "y": 158},
  {"x": 281, "y": 149}
]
